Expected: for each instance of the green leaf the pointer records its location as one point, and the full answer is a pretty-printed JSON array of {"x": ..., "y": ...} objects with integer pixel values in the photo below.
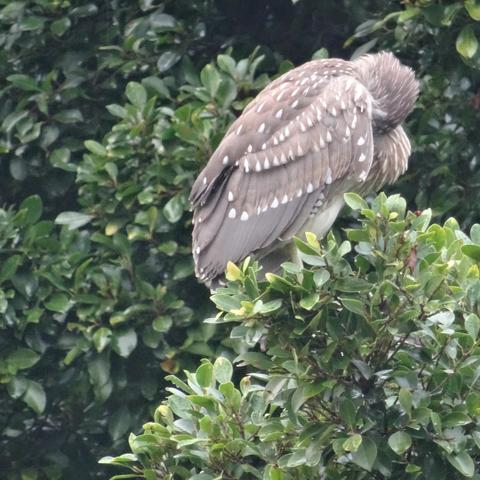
[
  {"x": 467, "y": 43},
  {"x": 473, "y": 8},
  {"x": 173, "y": 209},
  {"x": 222, "y": 370},
  {"x": 355, "y": 201},
  {"x": 59, "y": 27},
  {"x": 472, "y": 251},
  {"x": 33, "y": 207},
  {"x": 101, "y": 338},
  {"x": 256, "y": 359},
  {"x": 400, "y": 442},
  {"x": 204, "y": 374},
  {"x": 472, "y": 325},
  {"x": 463, "y": 463},
  {"x": 354, "y": 305},
  {"x": 405, "y": 399},
  {"x": 96, "y": 148},
  {"x": 210, "y": 78},
  {"x": 22, "y": 358},
  {"x": 124, "y": 342},
  {"x": 9, "y": 267},
  {"x": 24, "y": 82},
  {"x": 73, "y": 220},
  {"x": 366, "y": 454},
  {"x": 348, "y": 412},
  {"x": 35, "y": 397},
  {"x": 167, "y": 60},
  {"x": 58, "y": 302},
  {"x": 136, "y": 94},
  {"x": 310, "y": 301}
]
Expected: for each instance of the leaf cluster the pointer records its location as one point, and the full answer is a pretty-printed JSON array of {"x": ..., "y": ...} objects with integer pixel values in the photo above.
[{"x": 363, "y": 362}]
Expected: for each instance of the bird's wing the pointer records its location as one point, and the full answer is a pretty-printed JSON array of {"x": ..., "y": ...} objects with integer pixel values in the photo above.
[{"x": 293, "y": 145}]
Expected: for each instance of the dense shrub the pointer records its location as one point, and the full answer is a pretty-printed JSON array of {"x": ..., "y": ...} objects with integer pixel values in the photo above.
[
  {"x": 363, "y": 363},
  {"x": 109, "y": 109}
]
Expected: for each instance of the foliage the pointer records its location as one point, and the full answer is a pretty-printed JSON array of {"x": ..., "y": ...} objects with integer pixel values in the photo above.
[
  {"x": 109, "y": 109},
  {"x": 363, "y": 363}
]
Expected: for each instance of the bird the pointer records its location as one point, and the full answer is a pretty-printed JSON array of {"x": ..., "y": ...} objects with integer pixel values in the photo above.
[{"x": 322, "y": 129}]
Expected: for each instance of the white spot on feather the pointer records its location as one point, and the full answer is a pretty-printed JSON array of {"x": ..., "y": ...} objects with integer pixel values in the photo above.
[
  {"x": 279, "y": 113},
  {"x": 294, "y": 104},
  {"x": 274, "y": 203},
  {"x": 362, "y": 158},
  {"x": 309, "y": 188},
  {"x": 258, "y": 167},
  {"x": 264, "y": 146},
  {"x": 299, "y": 192},
  {"x": 239, "y": 129},
  {"x": 276, "y": 161},
  {"x": 261, "y": 128},
  {"x": 328, "y": 176},
  {"x": 295, "y": 92},
  {"x": 232, "y": 213},
  {"x": 329, "y": 136},
  {"x": 285, "y": 199},
  {"x": 247, "y": 166},
  {"x": 361, "y": 141},
  {"x": 362, "y": 177},
  {"x": 244, "y": 216},
  {"x": 197, "y": 250},
  {"x": 266, "y": 164},
  {"x": 260, "y": 107},
  {"x": 249, "y": 148},
  {"x": 204, "y": 180},
  {"x": 230, "y": 196},
  {"x": 283, "y": 158},
  {"x": 225, "y": 159}
]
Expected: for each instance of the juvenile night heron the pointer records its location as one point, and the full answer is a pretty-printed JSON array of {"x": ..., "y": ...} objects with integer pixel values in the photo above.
[{"x": 318, "y": 131}]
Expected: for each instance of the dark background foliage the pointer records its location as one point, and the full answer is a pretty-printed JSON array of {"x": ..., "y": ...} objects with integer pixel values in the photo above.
[{"x": 108, "y": 111}]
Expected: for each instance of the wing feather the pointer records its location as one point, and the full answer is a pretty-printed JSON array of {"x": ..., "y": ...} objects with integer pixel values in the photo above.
[{"x": 278, "y": 164}]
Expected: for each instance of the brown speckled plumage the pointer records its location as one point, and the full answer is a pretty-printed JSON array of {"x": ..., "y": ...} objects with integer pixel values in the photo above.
[{"x": 318, "y": 131}]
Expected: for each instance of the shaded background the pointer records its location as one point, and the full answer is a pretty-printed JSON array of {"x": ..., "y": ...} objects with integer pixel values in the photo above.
[{"x": 108, "y": 112}]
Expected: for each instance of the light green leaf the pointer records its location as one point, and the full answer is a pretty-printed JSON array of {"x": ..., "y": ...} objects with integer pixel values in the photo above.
[
  {"x": 222, "y": 370},
  {"x": 472, "y": 325},
  {"x": 352, "y": 444},
  {"x": 467, "y": 43},
  {"x": 400, "y": 442},
  {"x": 204, "y": 374},
  {"x": 73, "y": 220},
  {"x": 35, "y": 397},
  {"x": 95, "y": 147},
  {"x": 124, "y": 342},
  {"x": 136, "y": 94},
  {"x": 167, "y": 60},
  {"x": 473, "y": 8},
  {"x": 173, "y": 209},
  {"x": 355, "y": 201},
  {"x": 463, "y": 463}
]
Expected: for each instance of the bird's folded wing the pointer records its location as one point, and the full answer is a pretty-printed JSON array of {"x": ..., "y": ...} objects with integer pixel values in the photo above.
[{"x": 269, "y": 170}]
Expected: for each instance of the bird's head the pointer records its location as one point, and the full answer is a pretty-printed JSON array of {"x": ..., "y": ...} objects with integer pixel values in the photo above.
[{"x": 393, "y": 87}]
